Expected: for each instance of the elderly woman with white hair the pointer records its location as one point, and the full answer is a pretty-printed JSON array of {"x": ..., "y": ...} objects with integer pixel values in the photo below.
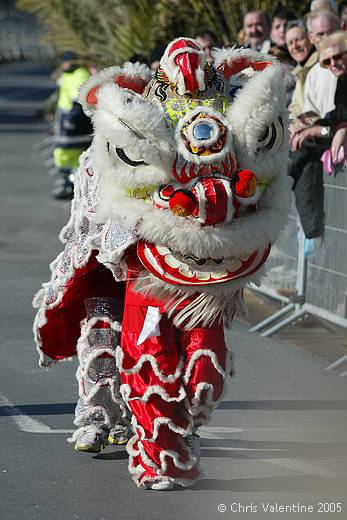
[{"x": 333, "y": 55}]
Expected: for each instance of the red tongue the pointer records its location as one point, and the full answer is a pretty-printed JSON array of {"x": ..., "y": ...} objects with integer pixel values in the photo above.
[{"x": 188, "y": 64}]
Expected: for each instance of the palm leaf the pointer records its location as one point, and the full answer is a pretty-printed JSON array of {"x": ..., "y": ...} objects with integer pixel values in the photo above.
[{"x": 112, "y": 31}]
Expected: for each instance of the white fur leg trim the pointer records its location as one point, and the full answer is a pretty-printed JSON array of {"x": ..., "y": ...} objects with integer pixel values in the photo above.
[
  {"x": 130, "y": 446},
  {"x": 137, "y": 472},
  {"x": 152, "y": 390},
  {"x": 164, "y": 454},
  {"x": 87, "y": 325},
  {"x": 158, "y": 422},
  {"x": 195, "y": 407},
  {"x": 154, "y": 364},
  {"x": 197, "y": 355},
  {"x": 109, "y": 381}
]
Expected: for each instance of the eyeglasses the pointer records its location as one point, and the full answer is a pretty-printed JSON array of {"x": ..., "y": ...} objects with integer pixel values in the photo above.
[{"x": 338, "y": 57}]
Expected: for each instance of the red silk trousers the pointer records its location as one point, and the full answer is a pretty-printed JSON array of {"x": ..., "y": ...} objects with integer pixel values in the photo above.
[{"x": 171, "y": 382}]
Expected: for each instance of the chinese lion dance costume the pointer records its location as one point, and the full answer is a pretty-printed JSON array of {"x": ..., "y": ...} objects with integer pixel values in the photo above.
[{"x": 177, "y": 203}]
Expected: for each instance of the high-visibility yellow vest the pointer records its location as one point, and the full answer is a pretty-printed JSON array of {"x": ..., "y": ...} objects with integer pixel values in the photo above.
[{"x": 70, "y": 83}]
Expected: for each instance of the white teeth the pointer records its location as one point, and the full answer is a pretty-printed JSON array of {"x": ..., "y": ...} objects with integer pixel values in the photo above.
[
  {"x": 218, "y": 275},
  {"x": 233, "y": 264},
  {"x": 172, "y": 261},
  {"x": 162, "y": 250},
  {"x": 202, "y": 276},
  {"x": 184, "y": 269},
  {"x": 244, "y": 257}
]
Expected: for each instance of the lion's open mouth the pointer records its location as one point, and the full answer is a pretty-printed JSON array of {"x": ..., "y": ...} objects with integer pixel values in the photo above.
[{"x": 177, "y": 269}]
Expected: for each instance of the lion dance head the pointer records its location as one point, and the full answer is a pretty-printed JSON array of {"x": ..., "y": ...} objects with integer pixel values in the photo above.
[{"x": 193, "y": 162}]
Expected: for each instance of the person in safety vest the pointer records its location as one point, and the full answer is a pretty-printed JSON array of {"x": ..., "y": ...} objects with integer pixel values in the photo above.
[{"x": 72, "y": 128}]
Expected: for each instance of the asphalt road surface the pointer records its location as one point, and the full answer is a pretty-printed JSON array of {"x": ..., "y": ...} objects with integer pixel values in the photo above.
[{"x": 279, "y": 436}]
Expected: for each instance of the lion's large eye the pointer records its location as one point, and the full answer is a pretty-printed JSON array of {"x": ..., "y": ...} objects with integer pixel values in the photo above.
[
  {"x": 130, "y": 162},
  {"x": 114, "y": 151},
  {"x": 272, "y": 138}
]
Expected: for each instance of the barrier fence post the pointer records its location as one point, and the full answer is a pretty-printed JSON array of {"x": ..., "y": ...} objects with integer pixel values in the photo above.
[{"x": 299, "y": 298}]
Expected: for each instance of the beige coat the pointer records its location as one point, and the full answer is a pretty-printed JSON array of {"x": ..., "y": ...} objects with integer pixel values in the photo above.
[{"x": 296, "y": 106}]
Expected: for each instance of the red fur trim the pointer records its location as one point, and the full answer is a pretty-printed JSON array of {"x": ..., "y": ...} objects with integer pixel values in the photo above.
[
  {"x": 240, "y": 64},
  {"x": 135, "y": 84},
  {"x": 91, "y": 96}
]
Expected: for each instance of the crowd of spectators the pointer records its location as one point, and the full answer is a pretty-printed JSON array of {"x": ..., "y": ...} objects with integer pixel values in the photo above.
[{"x": 313, "y": 53}]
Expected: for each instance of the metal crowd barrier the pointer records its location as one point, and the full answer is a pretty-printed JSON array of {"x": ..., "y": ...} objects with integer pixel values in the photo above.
[{"x": 310, "y": 278}]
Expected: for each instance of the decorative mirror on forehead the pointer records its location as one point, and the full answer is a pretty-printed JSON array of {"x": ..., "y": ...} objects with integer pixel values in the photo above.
[{"x": 202, "y": 131}]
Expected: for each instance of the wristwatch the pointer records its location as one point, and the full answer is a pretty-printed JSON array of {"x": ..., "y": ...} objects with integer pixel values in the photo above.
[{"x": 325, "y": 131}]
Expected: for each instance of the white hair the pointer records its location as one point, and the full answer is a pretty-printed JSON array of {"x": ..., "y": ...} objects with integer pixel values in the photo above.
[
  {"x": 330, "y": 4},
  {"x": 313, "y": 15}
]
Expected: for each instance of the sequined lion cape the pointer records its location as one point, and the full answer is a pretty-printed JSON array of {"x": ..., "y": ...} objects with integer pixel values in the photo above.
[{"x": 188, "y": 171}]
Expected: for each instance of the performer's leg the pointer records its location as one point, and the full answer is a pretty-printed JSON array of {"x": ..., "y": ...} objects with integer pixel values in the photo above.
[
  {"x": 207, "y": 364},
  {"x": 153, "y": 388},
  {"x": 100, "y": 407}
]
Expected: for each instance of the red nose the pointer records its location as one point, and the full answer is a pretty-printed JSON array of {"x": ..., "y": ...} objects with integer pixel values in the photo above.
[
  {"x": 215, "y": 201},
  {"x": 210, "y": 201}
]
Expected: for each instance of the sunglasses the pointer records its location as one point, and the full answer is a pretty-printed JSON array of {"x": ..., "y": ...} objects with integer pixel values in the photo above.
[{"x": 338, "y": 57}]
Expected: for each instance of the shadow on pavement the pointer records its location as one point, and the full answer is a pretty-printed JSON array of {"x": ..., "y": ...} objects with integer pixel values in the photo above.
[
  {"x": 113, "y": 455},
  {"x": 297, "y": 483},
  {"x": 283, "y": 405},
  {"x": 38, "y": 409},
  {"x": 69, "y": 408}
]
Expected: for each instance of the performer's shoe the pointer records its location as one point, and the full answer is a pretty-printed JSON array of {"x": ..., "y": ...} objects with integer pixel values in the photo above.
[
  {"x": 193, "y": 443},
  {"x": 119, "y": 434},
  {"x": 90, "y": 441},
  {"x": 160, "y": 484}
]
